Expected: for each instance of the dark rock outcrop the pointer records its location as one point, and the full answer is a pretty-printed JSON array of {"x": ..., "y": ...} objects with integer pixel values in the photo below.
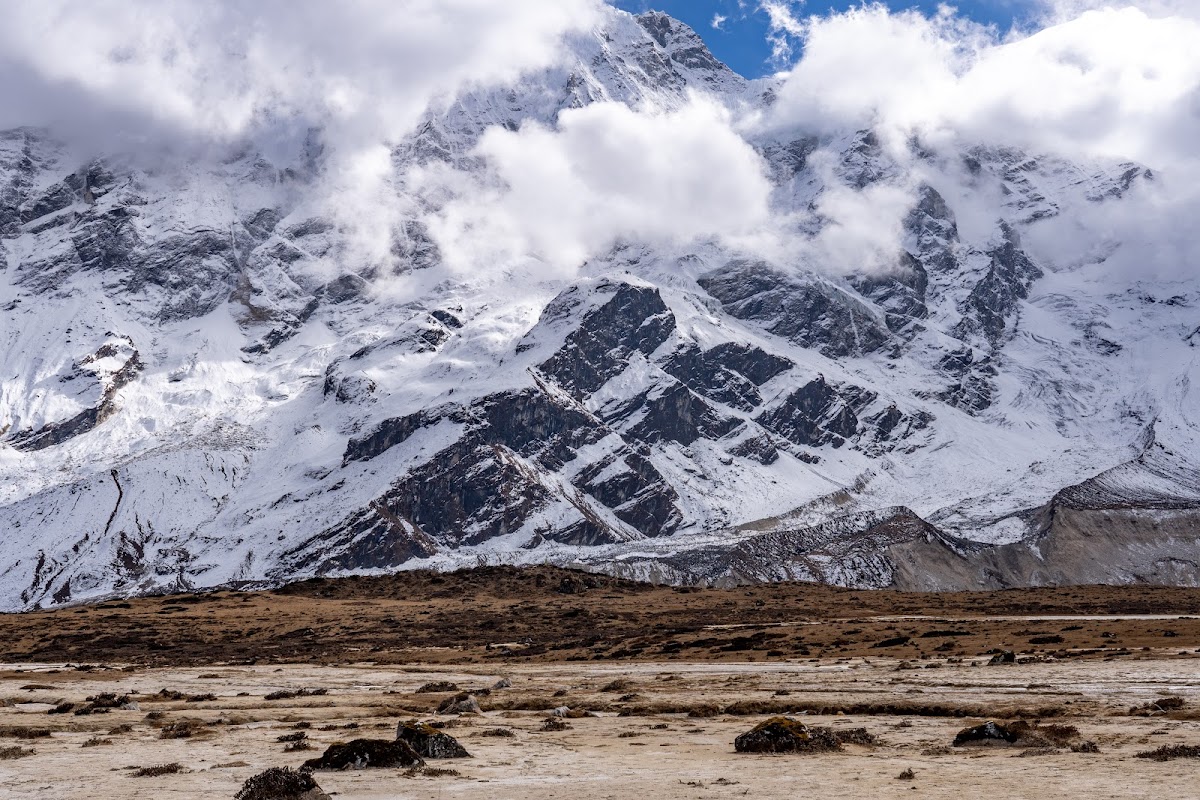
[
  {"x": 809, "y": 312},
  {"x": 633, "y": 320},
  {"x": 818, "y": 413},
  {"x": 428, "y": 742},
  {"x": 58, "y": 432},
  {"x": 990, "y": 308},
  {"x": 364, "y": 754},
  {"x": 786, "y": 735},
  {"x": 728, "y": 373},
  {"x": 989, "y": 734},
  {"x": 671, "y": 413}
]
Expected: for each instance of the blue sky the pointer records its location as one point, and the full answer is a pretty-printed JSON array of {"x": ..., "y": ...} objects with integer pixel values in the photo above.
[{"x": 741, "y": 42}]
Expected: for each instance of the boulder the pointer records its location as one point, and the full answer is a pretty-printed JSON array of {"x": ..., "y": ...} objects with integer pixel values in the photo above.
[
  {"x": 989, "y": 734},
  {"x": 281, "y": 783},
  {"x": 462, "y": 703},
  {"x": 366, "y": 753},
  {"x": 437, "y": 686},
  {"x": 1003, "y": 657},
  {"x": 428, "y": 742},
  {"x": 786, "y": 735}
]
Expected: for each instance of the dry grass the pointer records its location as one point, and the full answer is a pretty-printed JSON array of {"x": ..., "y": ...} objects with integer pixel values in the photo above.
[
  {"x": 287, "y": 694},
  {"x": 1171, "y": 752},
  {"x": 158, "y": 769},
  {"x": 498, "y": 733},
  {"x": 17, "y": 732},
  {"x": 182, "y": 729},
  {"x": 10, "y": 753},
  {"x": 623, "y": 620}
]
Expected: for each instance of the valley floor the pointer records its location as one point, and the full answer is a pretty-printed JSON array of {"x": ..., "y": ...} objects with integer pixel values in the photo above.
[
  {"x": 671, "y": 678},
  {"x": 666, "y": 747}
]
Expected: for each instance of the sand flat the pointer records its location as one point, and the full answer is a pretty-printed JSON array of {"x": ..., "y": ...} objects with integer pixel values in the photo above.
[{"x": 650, "y": 753}]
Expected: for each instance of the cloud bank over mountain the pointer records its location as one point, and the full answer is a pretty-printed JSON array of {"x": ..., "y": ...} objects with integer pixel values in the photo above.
[{"x": 1110, "y": 81}]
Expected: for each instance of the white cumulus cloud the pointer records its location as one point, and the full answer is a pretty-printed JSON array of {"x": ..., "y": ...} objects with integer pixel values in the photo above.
[
  {"x": 607, "y": 172},
  {"x": 1100, "y": 82}
]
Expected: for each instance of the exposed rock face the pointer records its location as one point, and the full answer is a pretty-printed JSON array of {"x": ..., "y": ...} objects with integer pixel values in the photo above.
[
  {"x": 112, "y": 366},
  {"x": 729, "y": 373},
  {"x": 634, "y": 320},
  {"x": 811, "y": 312},
  {"x": 992, "y": 304}
]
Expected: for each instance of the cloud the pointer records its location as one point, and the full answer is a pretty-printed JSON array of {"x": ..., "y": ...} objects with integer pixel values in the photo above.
[
  {"x": 175, "y": 80},
  {"x": 1099, "y": 83},
  {"x": 785, "y": 29},
  {"x": 718, "y": 21},
  {"x": 1112, "y": 82},
  {"x": 606, "y": 173},
  {"x": 224, "y": 69},
  {"x": 1095, "y": 81}
]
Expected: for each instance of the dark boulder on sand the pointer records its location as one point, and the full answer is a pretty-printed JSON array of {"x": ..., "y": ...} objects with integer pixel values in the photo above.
[
  {"x": 428, "y": 741},
  {"x": 786, "y": 735},
  {"x": 366, "y": 753},
  {"x": 989, "y": 734}
]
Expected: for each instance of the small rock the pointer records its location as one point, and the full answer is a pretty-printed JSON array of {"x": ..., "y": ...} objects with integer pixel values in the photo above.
[{"x": 503, "y": 683}]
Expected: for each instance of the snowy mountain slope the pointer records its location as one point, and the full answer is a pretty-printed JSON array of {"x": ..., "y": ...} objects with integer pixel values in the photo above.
[{"x": 204, "y": 382}]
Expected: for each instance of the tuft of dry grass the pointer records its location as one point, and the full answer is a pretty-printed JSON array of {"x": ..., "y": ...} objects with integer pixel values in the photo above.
[
  {"x": 288, "y": 694},
  {"x": 10, "y": 753},
  {"x": 181, "y": 729},
  {"x": 1162, "y": 705},
  {"x": 431, "y": 772},
  {"x": 201, "y": 698},
  {"x": 276, "y": 783},
  {"x": 437, "y": 687},
  {"x": 17, "y": 732},
  {"x": 498, "y": 733},
  {"x": 1170, "y": 752},
  {"x": 158, "y": 769}
]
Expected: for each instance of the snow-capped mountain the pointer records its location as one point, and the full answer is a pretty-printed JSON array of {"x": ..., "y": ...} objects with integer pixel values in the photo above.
[{"x": 203, "y": 384}]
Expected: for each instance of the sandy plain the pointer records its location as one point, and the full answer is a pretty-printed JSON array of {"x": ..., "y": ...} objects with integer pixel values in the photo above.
[{"x": 665, "y": 717}]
